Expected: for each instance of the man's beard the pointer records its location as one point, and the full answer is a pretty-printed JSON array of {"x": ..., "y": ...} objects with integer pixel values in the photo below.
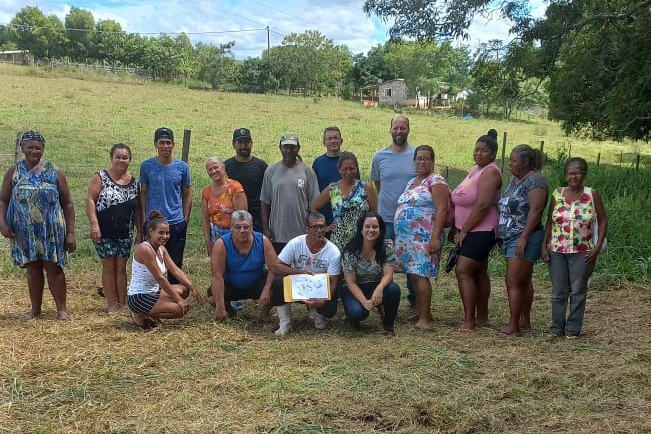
[{"x": 399, "y": 139}]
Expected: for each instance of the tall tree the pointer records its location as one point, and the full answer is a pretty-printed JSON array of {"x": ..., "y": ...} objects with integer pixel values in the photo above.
[
  {"x": 28, "y": 29},
  {"x": 109, "y": 40},
  {"x": 310, "y": 61},
  {"x": 80, "y": 26}
]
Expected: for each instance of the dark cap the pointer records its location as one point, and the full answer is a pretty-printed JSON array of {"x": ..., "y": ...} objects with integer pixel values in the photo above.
[
  {"x": 163, "y": 133},
  {"x": 241, "y": 134}
]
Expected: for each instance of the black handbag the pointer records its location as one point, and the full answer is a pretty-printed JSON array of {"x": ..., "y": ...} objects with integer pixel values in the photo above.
[{"x": 452, "y": 259}]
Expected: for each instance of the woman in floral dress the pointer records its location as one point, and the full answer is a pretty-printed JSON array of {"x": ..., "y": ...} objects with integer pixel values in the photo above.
[
  {"x": 350, "y": 199},
  {"x": 38, "y": 216},
  {"x": 419, "y": 223}
]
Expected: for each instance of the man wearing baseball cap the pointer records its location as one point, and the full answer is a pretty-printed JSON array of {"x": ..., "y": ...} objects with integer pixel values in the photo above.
[
  {"x": 248, "y": 171},
  {"x": 288, "y": 189},
  {"x": 165, "y": 186}
]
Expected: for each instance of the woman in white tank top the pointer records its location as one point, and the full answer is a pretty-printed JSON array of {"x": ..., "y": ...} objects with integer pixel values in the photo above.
[{"x": 150, "y": 263}]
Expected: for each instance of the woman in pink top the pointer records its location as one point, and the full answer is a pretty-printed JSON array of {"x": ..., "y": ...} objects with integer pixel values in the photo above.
[{"x": 475, "y": 220}]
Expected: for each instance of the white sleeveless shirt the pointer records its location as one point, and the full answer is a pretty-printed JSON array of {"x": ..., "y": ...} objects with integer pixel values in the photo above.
[{"x": 142, "y": 281}]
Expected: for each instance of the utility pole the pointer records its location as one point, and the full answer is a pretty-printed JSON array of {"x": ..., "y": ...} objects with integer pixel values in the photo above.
[{"x": 268, "y": 43}]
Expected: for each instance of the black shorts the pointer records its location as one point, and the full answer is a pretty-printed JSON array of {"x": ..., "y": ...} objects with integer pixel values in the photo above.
[{"x": 478, "y": 245}]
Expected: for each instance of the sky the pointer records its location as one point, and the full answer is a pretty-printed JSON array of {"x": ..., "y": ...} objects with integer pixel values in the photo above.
[{"x": 340, "y": 20}]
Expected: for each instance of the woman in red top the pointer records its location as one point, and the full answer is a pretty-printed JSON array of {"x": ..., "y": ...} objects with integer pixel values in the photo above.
[{"x": 218, "y": 201}]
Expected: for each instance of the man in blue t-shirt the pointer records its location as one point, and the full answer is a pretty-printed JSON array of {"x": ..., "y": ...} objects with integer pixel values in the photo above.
[
  {"x": 165, "y": 186},
  {"x": 325, "y": 166}
]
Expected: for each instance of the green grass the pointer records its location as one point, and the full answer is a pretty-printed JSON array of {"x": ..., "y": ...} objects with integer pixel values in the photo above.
[{"x": 97, "y": 374}]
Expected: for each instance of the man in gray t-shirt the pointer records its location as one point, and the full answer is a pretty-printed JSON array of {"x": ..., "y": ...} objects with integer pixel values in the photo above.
[
  {"x": 391, "y": 168},
  {"x": 288, "y": 189}
]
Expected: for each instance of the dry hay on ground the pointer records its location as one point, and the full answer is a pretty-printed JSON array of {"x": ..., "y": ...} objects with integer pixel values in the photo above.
[{"x": 96, "y": 373}]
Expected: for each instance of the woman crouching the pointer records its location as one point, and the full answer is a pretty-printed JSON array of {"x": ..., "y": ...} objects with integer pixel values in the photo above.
[{"x": 150, "y": 263}]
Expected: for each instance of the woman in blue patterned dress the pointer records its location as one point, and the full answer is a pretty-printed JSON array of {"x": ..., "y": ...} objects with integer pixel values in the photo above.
[
  {"x": 37, "y": 215},
  {"x": 113, "y": 207},
  {"x": 419, "y": 223},
  {"x": 350, "y": 199}
]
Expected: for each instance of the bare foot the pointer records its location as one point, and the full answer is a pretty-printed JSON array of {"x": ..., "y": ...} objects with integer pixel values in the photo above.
[
  {"x": 424, "y": 324},
  {"x": 63, "y": 315},
  {"x": 467, "y": 325},
  {"x": 114, "y": 308},
  {"x": 32, "y": 315},
  {"x": 506, "y": 330},
  {"x": 141, "y": 322},
  {"x": 525, "y": 327},
  {"x": 481, "y": 322}
]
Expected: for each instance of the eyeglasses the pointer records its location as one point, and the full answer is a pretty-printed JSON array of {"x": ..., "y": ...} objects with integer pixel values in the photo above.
[
  {"x": 317, "y": 227},
  {"x": 423, "y": 159}
]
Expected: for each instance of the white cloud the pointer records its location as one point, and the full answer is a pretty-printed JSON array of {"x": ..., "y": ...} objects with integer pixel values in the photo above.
[{"x": 343, "y": 21}]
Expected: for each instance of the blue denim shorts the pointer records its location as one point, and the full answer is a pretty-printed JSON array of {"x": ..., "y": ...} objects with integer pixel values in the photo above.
[
  {"x": 217, "y": 232},
  {"x": 532, "y": 249}
]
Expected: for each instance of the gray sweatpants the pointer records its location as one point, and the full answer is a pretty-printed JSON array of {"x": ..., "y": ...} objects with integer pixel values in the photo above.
[{"x": 569, "y": 274}]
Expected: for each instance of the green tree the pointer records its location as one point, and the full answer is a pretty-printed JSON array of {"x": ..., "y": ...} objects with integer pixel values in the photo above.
[
  {"x": 109, "y": 41},
  {"x": 311, "y": 62},
  {"x": 80, "y": 27},
  {"x": 371, "y": 68},
  {"x": 594, "y": 52},
  {"x": 215, "y": 65},
  {"x": 28, "y": 30}
]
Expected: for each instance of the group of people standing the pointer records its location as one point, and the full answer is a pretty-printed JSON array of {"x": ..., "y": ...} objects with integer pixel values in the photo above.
[{"x": 262, "y": 223}]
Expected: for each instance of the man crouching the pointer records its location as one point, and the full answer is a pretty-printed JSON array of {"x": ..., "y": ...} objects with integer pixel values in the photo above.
[
  {"x": 242, "y": 262},
  {"x": 308, "y": 254}
]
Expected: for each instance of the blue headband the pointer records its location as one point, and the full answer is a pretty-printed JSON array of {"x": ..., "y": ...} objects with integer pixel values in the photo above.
[{"x": 31, "y": 135}]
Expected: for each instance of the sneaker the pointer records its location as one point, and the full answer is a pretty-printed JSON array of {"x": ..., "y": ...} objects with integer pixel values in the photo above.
[
  {"x": 572, "y": 337},
  {"x": 320, "y": 322},
  {"x": 283, "y": 330},
  {"x": 238, "y": 305},
  {"x": 389, "y": 332}
]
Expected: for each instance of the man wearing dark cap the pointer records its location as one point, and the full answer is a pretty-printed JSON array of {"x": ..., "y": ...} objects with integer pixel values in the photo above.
[
  {"x": 165, "y": 186},
  {"x": 248, "y": 171}
]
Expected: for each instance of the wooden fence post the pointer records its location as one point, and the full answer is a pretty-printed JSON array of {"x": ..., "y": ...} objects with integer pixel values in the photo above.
[
  {"x": 637, "y": 162},
  {"x": 542, "y": 145},
  {"x": 621, "y": 157},
  {"x": 186, "y": 145},
  {"x": 503, "y": 151},
  {"x": 569, "y": 151},
  {"x": 17, "y": 149},
  {"x": 598, "y": 158}
]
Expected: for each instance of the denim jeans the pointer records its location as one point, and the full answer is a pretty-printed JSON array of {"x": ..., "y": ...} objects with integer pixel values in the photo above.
[
  {"x": 355, "y": 311},
  {"x": 390, "y": 234},
  {"x": 569, "y": 274}
]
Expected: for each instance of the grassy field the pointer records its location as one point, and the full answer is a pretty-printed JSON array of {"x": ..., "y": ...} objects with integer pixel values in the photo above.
[{"x": 97, "y": 374}]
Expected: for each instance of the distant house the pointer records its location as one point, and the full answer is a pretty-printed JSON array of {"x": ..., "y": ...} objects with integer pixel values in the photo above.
[
  {"x": 391, "y": 92},
  {"x": 16, "y": 56}
]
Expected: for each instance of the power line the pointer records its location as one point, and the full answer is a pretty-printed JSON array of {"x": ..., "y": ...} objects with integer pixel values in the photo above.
[{"x": 124, "y": 32}]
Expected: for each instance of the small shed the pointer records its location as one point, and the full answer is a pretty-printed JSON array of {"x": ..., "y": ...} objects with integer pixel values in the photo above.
[
  {"x": 393, "y": 92},
  {"x": 390, "y": 92},
  {"x": 21, "y": 57}
]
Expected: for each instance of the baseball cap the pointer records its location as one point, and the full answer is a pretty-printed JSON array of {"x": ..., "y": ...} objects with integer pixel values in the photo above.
[
  {"x": 163, "y": 133},
  {"x": 241, "y": 134},
  {"x": 288, "y": 138}
]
